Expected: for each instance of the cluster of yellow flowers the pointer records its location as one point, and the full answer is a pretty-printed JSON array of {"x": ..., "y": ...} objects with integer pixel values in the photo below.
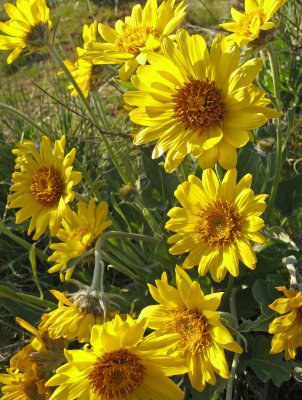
[{"x": 188, "y": 100}]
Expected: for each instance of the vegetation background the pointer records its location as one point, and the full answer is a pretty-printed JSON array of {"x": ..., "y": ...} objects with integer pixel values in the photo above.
[{"x": 32, "y": 86}]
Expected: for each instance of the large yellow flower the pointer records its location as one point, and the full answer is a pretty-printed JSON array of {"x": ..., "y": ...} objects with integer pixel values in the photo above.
[
  {"x": 23, "y": 386},
  {"x": 86, "y": 74},
  {"x": 193, "y": 102},
  {"x": 117, "y": 367},
  {"x": 216, "y": 223},
  {"x": 141, "y": 32},
  {"x": 74, "y": 316},
  {"x": 43, "y": 187},
  {"x": 287, "y": 329},
  {"x": 29, "y": 27},
  {"x": 254, "y": 22},
  {"x": 189, "y": 321},
  {"x": 78, "y": 234}
]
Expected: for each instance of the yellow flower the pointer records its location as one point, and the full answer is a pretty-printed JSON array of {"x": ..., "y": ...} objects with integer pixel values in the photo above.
[
  {"x": 191, "y": 325},
  {"x": 216, "y": 223},
  {"x": 287, "y": 329},
  {"x": 86, "y": 74},
  {"x": 74, "y": 316},
  {"x": 44, "y": 353},
  {"x": 254, "y": 22},
  {"x": 117, "y": 367},
  {"x": 193, "y": 102},
  {"x": 78, "y": 234},
  {"x": 23, "y": 386},
  {"x": 22, "y": 359},
  {"x": 140, "y": 34},
  {"x": 44, "y": 186},
  {"x": 29, "y": 27},
  {"x": 26, "y": 147}
]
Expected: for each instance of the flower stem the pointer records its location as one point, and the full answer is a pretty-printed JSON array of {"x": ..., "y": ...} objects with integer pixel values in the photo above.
[
  {"x": 99, "y": 266},
  {"x": 228, "y": 291},
  {"x": 279, "y": 145},
  {"x": 55, "y": 55},
  {"x": 97, "y": 285},
  {"x": 229, "y": 391}
]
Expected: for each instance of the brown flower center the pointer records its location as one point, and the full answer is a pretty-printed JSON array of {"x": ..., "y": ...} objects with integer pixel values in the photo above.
[
  {"x": 47, "y": 186},
  {"x": 192, "y": 328},
  {"x": 116, "y": 375},
  {"x": 219, "y": 224},
  {"x": 134, "y": 38},
  {"x": 199, "y": 104},
  {"x": 244, "y": 28}
]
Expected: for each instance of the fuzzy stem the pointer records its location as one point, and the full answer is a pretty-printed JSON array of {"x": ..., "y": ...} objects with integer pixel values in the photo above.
[
  {"x": 98, "y": 273},
  {"x": 276, "y": 85},
  {"x": 228, "y": 291},
  {"x": 229, "y": 392}
]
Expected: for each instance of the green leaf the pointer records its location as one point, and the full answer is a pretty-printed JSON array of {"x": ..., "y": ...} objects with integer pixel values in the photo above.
[
  {"x": 20, "y": 310},
  {"x": 33, "y": 263},
  {"x": 266, "y": 366},
  {"x": 24, "y": 305},
  {"x": 162, "y": 185},
  {"x": 265, "y": 293},
  {"x": 251, "y": 161},
  {"x": 289, "y": 194},
  {"x": 260, "y": 325}
]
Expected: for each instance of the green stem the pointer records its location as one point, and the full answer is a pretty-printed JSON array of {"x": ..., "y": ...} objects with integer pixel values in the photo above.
[
  {"x": 229, "y": 391},
  {"x": 98, "y": 273},
  {"x": 99, "y": 266},
  {"x": 276, "y": 85},
  {"x": 228, "y": 291},
  {"x": 55, "y": 55},
  {"x": 24, "y": 117},
  {"x": 20, "y": 241},
  {"x": 103, "y": 117}
]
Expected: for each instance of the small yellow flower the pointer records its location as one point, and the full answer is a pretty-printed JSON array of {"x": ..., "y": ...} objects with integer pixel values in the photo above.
[
  {"x": 29, "y": 27},
  {"x": 43, "y": 186},
  {"x": 192, "y": 101},
  {"x": 86, "y": 74},
  {"x": 186, "y": 322},
  {"x": 23, "y": 386},
  {"x": 74, "y": 316},
  {"x": 216, "y": 223},
  {"x": 287, "y": 329},
  {"x": 254, "y": 22},
  {"x": 117, "y": 367},
  {"x": 141, "y": 32},
  {"x": 78, "y": 234}
]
